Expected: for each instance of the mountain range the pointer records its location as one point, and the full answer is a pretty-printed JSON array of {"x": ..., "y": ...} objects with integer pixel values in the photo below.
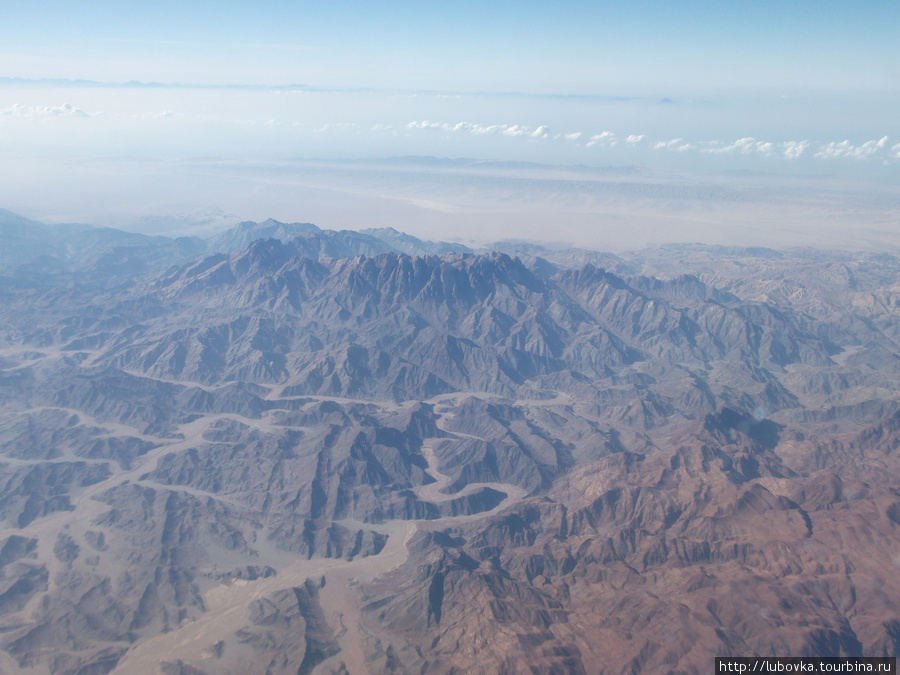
[{"x": 287, "y": 449}]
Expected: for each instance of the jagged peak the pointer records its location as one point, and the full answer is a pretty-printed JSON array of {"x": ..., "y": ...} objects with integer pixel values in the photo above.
[{"x": 589, "y": 275}]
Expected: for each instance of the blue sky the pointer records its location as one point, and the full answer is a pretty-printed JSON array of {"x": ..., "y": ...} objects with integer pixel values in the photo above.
[
  {"x": 797, "y": 89},
  {"x": 566, "y": 47}
]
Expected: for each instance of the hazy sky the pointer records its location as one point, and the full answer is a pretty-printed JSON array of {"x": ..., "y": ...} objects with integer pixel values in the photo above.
[
  {"x": 535, "y": 47},
  {"x": 787, "y": 88}
]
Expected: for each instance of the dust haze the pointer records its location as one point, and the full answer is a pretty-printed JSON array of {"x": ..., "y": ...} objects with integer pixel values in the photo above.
[{"x": 471, "y": 201}]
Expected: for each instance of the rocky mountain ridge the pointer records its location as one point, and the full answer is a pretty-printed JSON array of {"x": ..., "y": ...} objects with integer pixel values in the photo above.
[{"x": 345, "y": 452}]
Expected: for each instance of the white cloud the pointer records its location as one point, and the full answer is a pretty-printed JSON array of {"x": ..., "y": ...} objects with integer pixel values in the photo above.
[
  {"x": 794, "y": 149},
  {"x": 744, "y": 146},
  {"x": 607, "y": 138},
  {"x": 676, "y": 145},
  {"x": 424, "y": 124},
  {"x": 469, "y": 127},
  {"x": 516, "y": 130},
  {"x": 846, "y": 149},
  {"x": 64, "y": 110},
  {"x": 541, "y": 132},
  {"x": 338, "y": 126},
  {"x": 43, "y": 111},
  {"x": 480, "y": 130}
]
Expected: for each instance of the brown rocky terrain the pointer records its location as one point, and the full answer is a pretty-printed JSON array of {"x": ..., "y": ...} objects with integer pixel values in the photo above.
[{"x": 325, "y": 452}]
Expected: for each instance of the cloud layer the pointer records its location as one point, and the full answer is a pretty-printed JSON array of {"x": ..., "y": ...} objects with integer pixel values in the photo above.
[
  {"x": 748, "y": 145},
  {"x": 280, "y": 123},
  {"x": 847, "y": 149}
]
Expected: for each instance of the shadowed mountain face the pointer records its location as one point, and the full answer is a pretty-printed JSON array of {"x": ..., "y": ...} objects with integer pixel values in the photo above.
[{"x": 292, "y": 450}]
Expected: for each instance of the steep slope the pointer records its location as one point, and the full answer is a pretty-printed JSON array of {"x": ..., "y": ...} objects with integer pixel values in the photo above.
[
  {"x": 722, "y": 544},
  {"x": 400, "y": 328}
]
